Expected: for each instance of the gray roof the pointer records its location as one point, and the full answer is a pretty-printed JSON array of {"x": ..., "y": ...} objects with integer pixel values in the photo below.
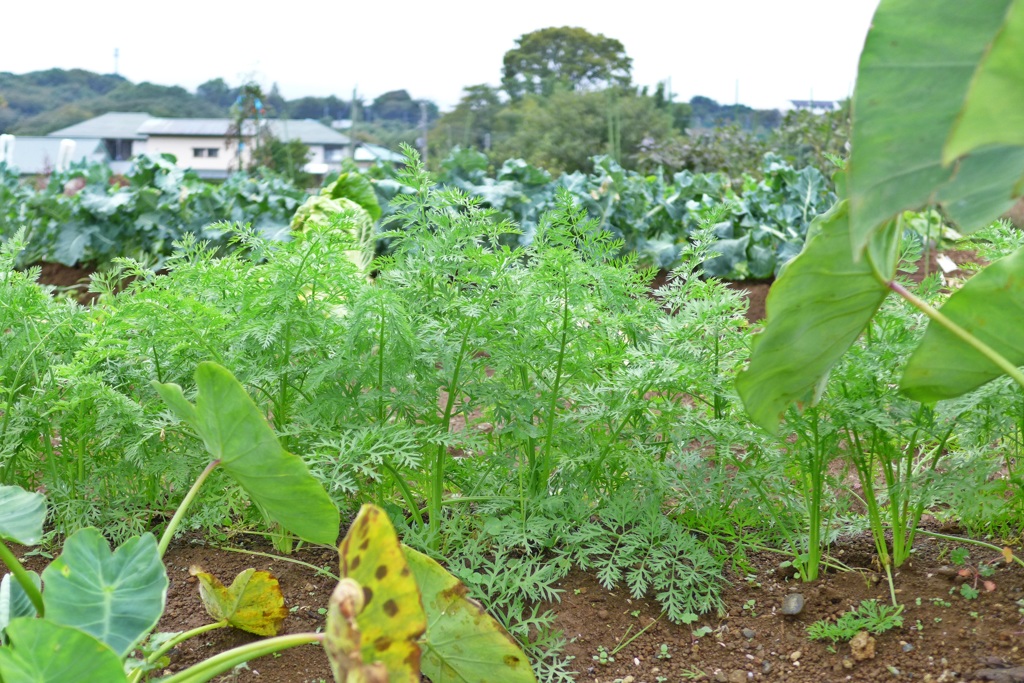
[
  {"x": 369, "y": 152},
  {"x": 115, "y": 124},
  {"x": 186, "y": 127},
  {"x": 815, "y": 104},
  {"x": 139, "y": 126},
  {"x": 38, "y": 155},
  {"x": 308, "y": 131}
]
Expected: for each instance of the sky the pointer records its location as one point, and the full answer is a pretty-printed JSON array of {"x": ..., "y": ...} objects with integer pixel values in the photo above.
[{"x": 766, "y": 51}]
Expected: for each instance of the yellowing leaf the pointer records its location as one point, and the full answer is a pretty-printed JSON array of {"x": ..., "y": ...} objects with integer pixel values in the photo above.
[
  {"x": 1008, "y": 555},
  {"x": 253, "y": 602},
  {"x": 464, "y": 644},
  {"x": 343, "y": 641},
  {"x": 392, "y": 617}
]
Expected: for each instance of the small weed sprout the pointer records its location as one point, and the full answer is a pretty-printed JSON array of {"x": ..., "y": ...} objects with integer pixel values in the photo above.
[
  {"x": 870, "y": 616},
  {"x": 602, "y": 657}
]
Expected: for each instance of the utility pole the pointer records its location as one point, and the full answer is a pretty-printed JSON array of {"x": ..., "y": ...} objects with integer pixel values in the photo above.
[
  {"x": 117, "y": 53},
  {"x": 423, "y": 132},
  {"x": 354, "y": 112}
]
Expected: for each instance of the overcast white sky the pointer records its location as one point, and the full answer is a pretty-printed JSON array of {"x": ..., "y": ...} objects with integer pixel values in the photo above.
[{"x": 776, "y": 50}]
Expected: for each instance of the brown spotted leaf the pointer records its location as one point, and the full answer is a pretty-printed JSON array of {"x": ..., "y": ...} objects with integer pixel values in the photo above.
[
  {"x": 253, "y": 602},
  {"x": 342, "y": 639},
  {"x": 463, "y": 644},
  {"x": 392, "y": 617}
]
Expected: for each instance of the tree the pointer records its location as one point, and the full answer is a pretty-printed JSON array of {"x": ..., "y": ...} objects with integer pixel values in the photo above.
[
  {"x": 285, "y": 157},
  {"x": 217, "y": 92},
  {"x": 569, "y": 56},
  {"x": 563, "y": 131},
  {"x": 473, "y": 124},
  {"x": 398, "y": 106}
]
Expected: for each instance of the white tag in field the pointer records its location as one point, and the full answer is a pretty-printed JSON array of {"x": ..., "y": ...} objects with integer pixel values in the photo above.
[{"x": 945, "y": 263}]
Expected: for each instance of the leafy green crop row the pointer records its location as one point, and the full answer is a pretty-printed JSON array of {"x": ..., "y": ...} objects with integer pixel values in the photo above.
[
  {"x": 87, "y": 215},
  {"x": 763, "y": 227}
]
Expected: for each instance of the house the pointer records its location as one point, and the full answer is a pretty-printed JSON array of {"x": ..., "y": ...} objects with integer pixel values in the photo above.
[
  {"x": 34, "y": 155},
  {"x": 816, "y": 106},
  {"x": 208, "y": 147},
  {"x": 118, "y": 132}
]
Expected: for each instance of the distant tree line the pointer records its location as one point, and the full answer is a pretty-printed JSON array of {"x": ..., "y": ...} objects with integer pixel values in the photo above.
[{"x": 43, "y": 101}]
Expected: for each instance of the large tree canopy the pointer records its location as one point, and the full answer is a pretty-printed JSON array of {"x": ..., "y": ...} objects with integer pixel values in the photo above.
[{"x": 567, "y": 56}]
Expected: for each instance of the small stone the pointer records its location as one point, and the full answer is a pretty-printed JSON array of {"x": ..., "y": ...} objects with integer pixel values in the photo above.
[
  {"x": 862, "y": 646},
  {"x": 627, "y": 679},
  {"x": 785, "y": 571},
  {"x": 738, "y": 676},
  {"x": 847, "y": 663},
  {"x": 907, "y": 647},
  {"x": 796, "y": 655},
  {"x": 893, "y": 670},
  {"x": 602, "y": 614},
  {"x": 792, "y": 604},
  {"x": 748, "y": 633},
  {"x": 766, "y": 667}
]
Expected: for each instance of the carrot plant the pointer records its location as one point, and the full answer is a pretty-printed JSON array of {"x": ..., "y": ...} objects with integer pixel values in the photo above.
[{"x": 960, "y": 151}]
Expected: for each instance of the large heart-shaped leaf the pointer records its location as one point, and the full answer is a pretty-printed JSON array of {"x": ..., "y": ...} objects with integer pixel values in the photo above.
[
  {"x": 990, "y": 307},
  {"x": 817, "y": 308},
  {"x": 463, "y": 644},
  {"x": 117, "y": 597},
  {"x": 992, "y": 114},
  {"x": 14, "y": 601},
  {"x": 392, "y": 616},
  {"x": 41, "y": 651},
  {"x": 253, "y": 602},
  {"x": 237, "y": 434},
  {"x": 917, "y": 64},
  {"x": 21, "y": 515}
]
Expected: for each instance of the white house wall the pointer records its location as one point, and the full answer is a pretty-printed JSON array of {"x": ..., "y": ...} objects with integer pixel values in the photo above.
[{"x": 182, "y": 148}]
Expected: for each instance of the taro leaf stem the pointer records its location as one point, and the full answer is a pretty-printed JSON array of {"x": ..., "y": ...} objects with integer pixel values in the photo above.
[
  {"x": 22, "y": 578},
  {"x": 173, "y": 642},
  {"x": 962, "y": 334},
  {"x": 172, "y": 526},
  {"x": 225, "y": 661}
]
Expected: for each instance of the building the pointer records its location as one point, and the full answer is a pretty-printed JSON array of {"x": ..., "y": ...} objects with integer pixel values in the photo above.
[
  {"x": 34, "y": 155},
  {"x": 118, "y": 132},
  {"x": 208, "y": 147},
  {"x": 816, "y": 106}
]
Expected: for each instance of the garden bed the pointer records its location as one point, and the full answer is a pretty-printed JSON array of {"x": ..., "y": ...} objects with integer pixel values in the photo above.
[{"x": 944, "y": 637}]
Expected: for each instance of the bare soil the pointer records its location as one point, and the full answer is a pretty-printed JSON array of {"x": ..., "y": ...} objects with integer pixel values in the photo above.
[{"x": 944, "y": 636}]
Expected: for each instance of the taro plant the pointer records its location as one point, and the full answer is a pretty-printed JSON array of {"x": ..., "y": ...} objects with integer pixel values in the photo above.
[
  {"x": 960, "y": 149},
  {"x": 98, "y": 606}
]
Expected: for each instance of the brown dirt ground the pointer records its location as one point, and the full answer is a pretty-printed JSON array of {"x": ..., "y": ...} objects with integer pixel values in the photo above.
[{"x": 944, "y": 638}]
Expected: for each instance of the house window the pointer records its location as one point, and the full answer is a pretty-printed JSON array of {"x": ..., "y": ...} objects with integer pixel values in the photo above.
[
  {"x": 198, "y": 152},
  {"x": 212, "y": 152},
  {"x": 118, "y": 150}
]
